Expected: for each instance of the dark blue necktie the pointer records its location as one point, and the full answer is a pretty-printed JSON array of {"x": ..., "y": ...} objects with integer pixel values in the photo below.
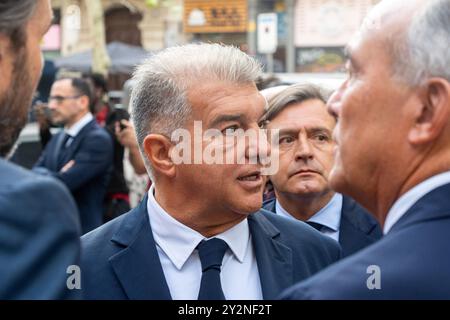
[
  {"x": 63, "y": 146},
  {"x": 211, "y": 254}
]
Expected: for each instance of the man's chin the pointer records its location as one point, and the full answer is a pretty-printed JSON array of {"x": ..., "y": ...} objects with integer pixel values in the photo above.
[
  {"x": 249, "y": 205},
  {"x": 57, "y": 122},
  {"x": 306, "y": 186}
]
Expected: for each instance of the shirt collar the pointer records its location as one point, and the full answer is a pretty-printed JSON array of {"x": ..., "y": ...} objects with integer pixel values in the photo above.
[
  {"x": 77, "y": 126},
  {"x": 407, "y": 200},
  {"x": 326, "y": 216},
  {"x": 179, "y": 241}
]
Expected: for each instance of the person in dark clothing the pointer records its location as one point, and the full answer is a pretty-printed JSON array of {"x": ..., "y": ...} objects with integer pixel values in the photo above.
[
  {"x": 117, "y": 196},
  {"x": 81, "y": 154},
  {"x": 117, "y": 193}
]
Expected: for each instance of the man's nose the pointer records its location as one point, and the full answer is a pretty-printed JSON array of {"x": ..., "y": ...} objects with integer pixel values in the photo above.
[
  {"x": 304, "y": 149},
  {"x": 258, "y": 150},
  {"x": 52, "y": 104},
  {"x": 334, "y": 102}
]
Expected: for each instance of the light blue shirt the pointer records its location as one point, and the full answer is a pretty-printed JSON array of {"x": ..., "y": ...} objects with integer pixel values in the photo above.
[
  {"x": 406, "y": 201},
  {"x": 75, "y": 129},
  {"x": 329, "y": 216},
  {"x": 181, "y": 264}
]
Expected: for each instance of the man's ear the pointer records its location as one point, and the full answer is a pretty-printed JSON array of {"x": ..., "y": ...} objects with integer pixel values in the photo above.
[
  {"x": 84, "y": 100},
  {"x": 432, "y": 115},
  {"x": 157, "y": 149}
]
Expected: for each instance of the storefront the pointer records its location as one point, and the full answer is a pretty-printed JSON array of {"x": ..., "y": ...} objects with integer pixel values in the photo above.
[
  {"x": 216, "y": 21},
  {"x": 322, "y": 28}
]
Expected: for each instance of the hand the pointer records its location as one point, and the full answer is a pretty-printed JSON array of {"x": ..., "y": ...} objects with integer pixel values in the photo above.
[
  {"x": 126, "y": 135},
  {"x": 67, "y": 166}
]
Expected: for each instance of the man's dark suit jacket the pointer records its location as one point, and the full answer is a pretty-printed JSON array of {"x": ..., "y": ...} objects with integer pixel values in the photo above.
[
  {"x": 92, "y": 152},
  {"x": 357, "y": 229},
  {"x": 120, "y": 260},
  {"x": 413, "y": 260},
  {"x": 39, "y": 235}
]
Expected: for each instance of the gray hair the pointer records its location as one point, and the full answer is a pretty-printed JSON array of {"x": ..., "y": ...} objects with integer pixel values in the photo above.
[
  {"x": 424, "y": 50},
  {"x": 159, "y": 97},
  {"x": 296, "y": 93},
  {"x": 14, "y": 16}
]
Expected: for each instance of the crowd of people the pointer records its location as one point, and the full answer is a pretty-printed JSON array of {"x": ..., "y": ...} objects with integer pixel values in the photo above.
[{"x": 357, "y": 208}]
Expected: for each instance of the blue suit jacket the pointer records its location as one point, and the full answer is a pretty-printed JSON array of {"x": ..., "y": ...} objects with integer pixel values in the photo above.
[
  {"x": 357, "y": 230},
  {"x": 413, "y": 260},
  {"x": 39, "y": 235},
  {"x": 120, "y": 260},
  {"x": 92, "y": 151}
]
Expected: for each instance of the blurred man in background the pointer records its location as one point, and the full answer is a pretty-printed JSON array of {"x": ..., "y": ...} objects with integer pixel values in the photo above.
[
  {"x": 38, "y": 217},
  {"x": 81, "y": 155}
]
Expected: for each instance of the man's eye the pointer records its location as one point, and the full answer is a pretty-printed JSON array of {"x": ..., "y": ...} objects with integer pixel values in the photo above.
[
  {"x": 230, "y": 130},
  {"x": 322, "y": 137},
  {"x": 285, "y": 140}
]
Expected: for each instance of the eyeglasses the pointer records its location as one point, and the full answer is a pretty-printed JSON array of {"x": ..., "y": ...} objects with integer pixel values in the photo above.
[{"x": 60, "y": 99}]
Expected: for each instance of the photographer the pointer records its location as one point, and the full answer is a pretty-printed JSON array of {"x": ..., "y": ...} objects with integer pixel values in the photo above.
[{"x": 117, "y": 199}]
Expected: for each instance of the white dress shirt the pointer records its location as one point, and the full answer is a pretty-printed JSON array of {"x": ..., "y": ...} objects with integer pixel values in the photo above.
[
  {"x": 180, "y": 261},
  {"x": 329, "y": 216},
  {"x": 407, "y": 200},
  {"x": 75, "y": 129}
]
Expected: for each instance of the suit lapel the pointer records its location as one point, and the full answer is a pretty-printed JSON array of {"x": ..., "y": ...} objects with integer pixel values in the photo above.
[
  {"x": 55, "y": 152},
  {"x": 137, "y": 266},
  {"x": 351, "y": 238},
  {"x": 274, "y": 259},
  {"x": 354, "y": 229},
  {"x": 269, "y": 205}
]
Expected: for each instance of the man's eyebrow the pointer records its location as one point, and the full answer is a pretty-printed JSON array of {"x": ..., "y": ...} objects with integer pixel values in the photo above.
[
  {"x": 319, "y": 129},
  {"x": 308, "y": 129},
  {"x": 226, "y": 118},
  {"x": 290, "y": 131}
]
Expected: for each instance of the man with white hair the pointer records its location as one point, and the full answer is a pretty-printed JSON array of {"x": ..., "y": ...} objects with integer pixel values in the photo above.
[
  {"x": 394, "y": 155},
  {"x": 199, "y": 234}
]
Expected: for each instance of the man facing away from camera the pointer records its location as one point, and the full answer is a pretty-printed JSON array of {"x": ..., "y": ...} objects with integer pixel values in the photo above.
[
  {"x": 39, "y": 227},
  {"x": 393, "y": 156},
  {"x": 306, "y": 150},
  {"x": 200, "y": 233}
]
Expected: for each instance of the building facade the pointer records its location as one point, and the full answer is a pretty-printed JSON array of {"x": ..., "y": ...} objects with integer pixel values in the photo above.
[{"x": 311, "y": 34}]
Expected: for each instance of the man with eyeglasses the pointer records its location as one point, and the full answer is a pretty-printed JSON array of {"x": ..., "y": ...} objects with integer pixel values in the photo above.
[{"x": 81, "y": 154}]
